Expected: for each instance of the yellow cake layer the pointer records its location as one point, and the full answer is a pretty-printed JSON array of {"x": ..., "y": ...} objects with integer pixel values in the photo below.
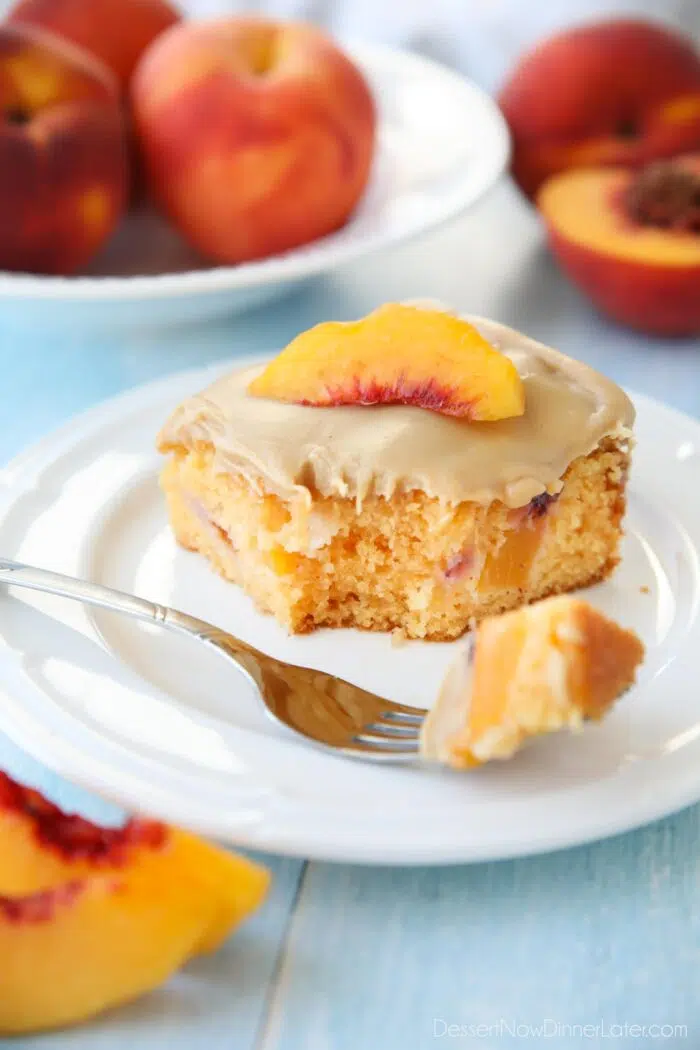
[{"x": 409, "y": 562}]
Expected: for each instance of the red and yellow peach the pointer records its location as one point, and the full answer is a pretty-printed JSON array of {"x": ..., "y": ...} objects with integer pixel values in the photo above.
[
  {"x": 91, "y": 917},
  {"x": 63, "y": 153},
  {"x": 116, "y": 31},
  {"x": 257, "y": 136},
  {"x": 631, "y": 241},
  {"x": 615, "y": 93}
]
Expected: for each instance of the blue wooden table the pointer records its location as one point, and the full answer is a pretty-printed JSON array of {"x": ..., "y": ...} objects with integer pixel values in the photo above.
[{"x": 579, "y": 948}]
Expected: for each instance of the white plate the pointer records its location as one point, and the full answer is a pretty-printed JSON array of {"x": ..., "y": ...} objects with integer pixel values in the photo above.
[
  {"x": 442, "y": 143},
  {"x": 157, "y": 724}
]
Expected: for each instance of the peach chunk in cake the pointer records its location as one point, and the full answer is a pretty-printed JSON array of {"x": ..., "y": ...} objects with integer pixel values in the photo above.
[
  {"x": 383, "y": 513},
  {"x": 532, "y": 671}
]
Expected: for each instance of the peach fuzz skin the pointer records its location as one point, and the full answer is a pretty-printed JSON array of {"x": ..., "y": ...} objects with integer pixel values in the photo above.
[
  {"x": 614, "y": 93},
  {"x": 257, "y": 136},
  {"x": 642, "y": 276},
  {"x": 63, "y": 153},
  {"x": 116, "y": 31}
]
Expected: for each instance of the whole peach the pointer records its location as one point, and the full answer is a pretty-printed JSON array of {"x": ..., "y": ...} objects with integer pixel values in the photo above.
[
  {"x": 117, "y": 31},
  {"x": 257, "y": 136},
  {"x": 63, "y": 153},
  {"x": 617, "y": 92}
]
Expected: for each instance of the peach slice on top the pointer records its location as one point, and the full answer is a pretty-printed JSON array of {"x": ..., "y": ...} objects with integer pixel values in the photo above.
[
  {"x": 92, "y": 916},
  {"x": 398, "y": 355}
]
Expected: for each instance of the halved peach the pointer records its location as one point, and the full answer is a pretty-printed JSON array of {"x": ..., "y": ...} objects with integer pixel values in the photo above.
[
  {"x": 398, "y": 355},
  {"x": 73, "y": 951},
  {"x": 42, "y": 847},
  {"x": 631, "y": 241}
]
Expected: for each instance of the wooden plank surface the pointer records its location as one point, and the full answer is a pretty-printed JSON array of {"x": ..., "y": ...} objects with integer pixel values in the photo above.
[{"x": 606, "y": 935}]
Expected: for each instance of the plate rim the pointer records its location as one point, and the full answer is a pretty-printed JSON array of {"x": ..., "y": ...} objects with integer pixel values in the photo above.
[
  {"x": 66, "y": 758},
  {"x": 308, "y": 260}
]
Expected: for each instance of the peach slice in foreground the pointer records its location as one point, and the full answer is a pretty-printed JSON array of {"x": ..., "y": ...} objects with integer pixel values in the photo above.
[
  {"x": 540, "y": 669},
  {"x": 171, "y": 894},
  {"x": 398, "y": 355},
  {"x": 42, "y": 847},
  {"x": 631, "y": 241},
  {"x": 72, "y": 951}
]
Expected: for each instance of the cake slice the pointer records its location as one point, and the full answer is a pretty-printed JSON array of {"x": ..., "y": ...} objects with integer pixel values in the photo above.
[
  {"x": 537, "y": 670},
  {"x": 414, "y": 471}
]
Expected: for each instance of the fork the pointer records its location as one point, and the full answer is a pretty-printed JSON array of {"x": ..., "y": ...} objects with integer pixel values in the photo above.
[{"x": 326, "y": 711}]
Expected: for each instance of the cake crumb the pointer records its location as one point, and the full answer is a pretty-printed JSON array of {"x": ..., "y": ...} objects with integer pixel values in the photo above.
[
  {"x": 644, "y": 590},
  {"x": 398, "y": 638}
]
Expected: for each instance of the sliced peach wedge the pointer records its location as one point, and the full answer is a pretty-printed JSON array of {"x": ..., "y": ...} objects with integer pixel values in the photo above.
[
  {"x": 397, "y": 355},
  {"x": 91, "y": 917},
  {"x": 42, "y": 847},
  {"x": 72, "y": 951}
]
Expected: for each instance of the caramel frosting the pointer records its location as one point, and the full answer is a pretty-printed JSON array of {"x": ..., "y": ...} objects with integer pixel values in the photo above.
[{"x": 297, "y": 451}]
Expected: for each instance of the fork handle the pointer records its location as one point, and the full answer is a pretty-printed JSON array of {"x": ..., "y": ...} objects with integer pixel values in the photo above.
[{"x": 18, "y": 575}]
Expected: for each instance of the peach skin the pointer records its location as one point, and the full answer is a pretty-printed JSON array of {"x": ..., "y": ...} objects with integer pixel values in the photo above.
[
  {"x": 612, "y": 93},
  {"x": 631, "y": 241},
  {"x": 116, "y": 31},
  {"x": 63, "y": 153},
  {"x": 427, "y": 358},
  {"x": 257, "y": 136}
]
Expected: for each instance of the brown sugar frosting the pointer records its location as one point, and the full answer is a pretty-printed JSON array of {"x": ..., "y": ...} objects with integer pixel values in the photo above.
[{"x": 356, "y": 451}]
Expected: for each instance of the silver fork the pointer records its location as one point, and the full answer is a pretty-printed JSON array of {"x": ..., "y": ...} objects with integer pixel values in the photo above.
[{"x": 323, "y": 709}]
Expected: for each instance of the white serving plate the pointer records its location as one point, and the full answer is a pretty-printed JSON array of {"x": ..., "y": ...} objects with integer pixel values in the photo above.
[
  {"x": 442, "y": 143},
  {"x": 160, "y": 725}
]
